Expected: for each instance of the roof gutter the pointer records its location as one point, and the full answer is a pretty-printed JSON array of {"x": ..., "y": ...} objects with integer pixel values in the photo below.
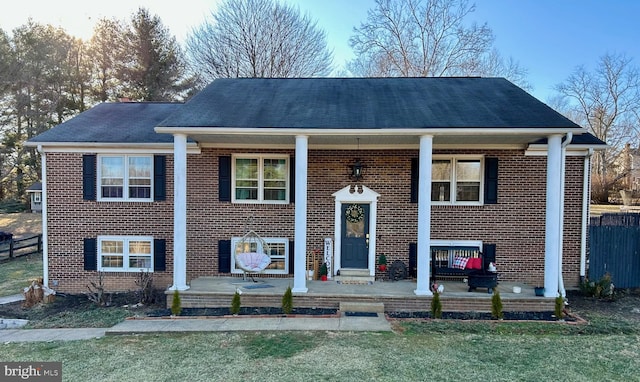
[{"x": 312, "y": 131}]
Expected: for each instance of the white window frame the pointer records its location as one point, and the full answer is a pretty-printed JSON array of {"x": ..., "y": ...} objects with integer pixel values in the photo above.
[
  {"x": 125, "y": 185},
  {"x": 269, "y": 241},
  {"x": 261, "y": 180},
  {"x": 37, "y": 197},
  {"x": 125, "y": 247},
  {"x": 453, "y": 188}
]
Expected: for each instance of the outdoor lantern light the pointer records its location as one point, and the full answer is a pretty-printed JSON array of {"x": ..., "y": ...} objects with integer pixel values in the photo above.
[{"x": 356, "y": 170}]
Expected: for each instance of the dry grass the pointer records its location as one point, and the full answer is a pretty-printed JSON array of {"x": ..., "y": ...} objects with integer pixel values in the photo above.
[
  {"x": 21, "y": 223},
  {"x": 343, "y": 356}
]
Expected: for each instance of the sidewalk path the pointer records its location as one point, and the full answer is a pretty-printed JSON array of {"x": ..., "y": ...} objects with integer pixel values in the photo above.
[{"x": 217, "y": 324}]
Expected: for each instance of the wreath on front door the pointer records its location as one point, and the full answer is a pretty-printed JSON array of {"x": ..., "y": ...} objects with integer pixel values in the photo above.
[{"x": 354, "y": 213}]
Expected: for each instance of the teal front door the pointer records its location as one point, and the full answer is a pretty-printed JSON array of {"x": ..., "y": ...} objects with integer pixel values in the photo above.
[{"x": 355, "y": 236}]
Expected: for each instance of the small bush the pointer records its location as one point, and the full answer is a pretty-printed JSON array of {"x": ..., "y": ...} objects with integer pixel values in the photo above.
[
  {"x": 436, "y": 305},
  {"x": 496, "y": 305},
  {"x": 176, "y": 304},
  {"x": 146, "y": 293},
  {"x": 97, "y": 291},
  {"x": 559, "y": 307},
  {"x": 235, "y": 303},
  {"x": 601, "y": 289},
  {"x": 287, "y": 301}
]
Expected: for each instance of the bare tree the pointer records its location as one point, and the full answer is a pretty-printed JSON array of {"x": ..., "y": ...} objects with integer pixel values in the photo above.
[
  {"x": 605, "y": 101},
  {"x": 258, "y": 38},
  {"x": 427, "y": 38}
]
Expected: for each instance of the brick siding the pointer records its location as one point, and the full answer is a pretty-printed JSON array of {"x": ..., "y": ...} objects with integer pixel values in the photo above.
[{"x": 516, "y": 224}]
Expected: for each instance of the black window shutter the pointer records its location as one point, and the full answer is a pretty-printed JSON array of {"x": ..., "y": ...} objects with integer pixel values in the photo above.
[
  {"x": 292, "y": 180},
  {"x": 159, "y": 255},
  {"x": 491, "y": 181},
  {"x": 292, "y": 256},
  {"x": 89, "y": 177},
  {"x": 90, "y": 254},
  {"x": 414, "y": 180},
  {"x": 413, "y": 259},
  {"x": 224, "y": 256},
  {"x": 159, "y": 177},
  {"x": 224, "y": 178},
  {"x": 488, "y": 254}
]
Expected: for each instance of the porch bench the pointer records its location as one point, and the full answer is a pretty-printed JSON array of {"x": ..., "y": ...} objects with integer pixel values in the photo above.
[{"x": 458, "y": 268}]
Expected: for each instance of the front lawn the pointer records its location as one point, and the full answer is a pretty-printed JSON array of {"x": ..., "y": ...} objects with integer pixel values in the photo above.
[
  {"x": 416, "y": 353},
  {"x": 18, "y": 273}
]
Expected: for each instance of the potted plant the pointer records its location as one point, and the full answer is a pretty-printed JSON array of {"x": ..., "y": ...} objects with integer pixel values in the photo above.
[
  {"x": 382, "y": 263},
  {"x": 323, "y": 272}
]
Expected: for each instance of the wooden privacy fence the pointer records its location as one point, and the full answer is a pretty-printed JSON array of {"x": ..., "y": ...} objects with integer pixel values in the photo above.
[
  {"x": 614, "y": 248},
  {"x": 12, "y": 248}
]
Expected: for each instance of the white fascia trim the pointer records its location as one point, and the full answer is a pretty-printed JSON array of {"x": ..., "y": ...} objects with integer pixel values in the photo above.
[
  {"x": 571, "y": 150},
  {"x": 100, "y": 148},
  {"x": 416, "y": 146},
  {"x": 364, "y": 131}
]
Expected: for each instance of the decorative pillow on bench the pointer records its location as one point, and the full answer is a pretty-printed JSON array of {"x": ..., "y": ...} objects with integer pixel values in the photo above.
[
  {"x": 474, "y": 263},
  {"x": 460, "y": 262}
]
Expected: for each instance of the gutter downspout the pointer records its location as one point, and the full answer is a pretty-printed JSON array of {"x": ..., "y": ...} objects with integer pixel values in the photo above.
[
  {"x": 586, "y": 197},
  {"x": 566, "y": 143},
  {"x": 45, "y": 241}
]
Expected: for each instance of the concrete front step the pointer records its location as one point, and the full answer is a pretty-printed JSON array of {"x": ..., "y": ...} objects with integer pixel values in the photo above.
[
  {"x": 358, "y": 306},
  {"x": 351, "y": 272}
]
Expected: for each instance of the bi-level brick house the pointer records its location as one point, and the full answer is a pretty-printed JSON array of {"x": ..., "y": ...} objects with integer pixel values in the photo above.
[{"x": 447, "y": 163}]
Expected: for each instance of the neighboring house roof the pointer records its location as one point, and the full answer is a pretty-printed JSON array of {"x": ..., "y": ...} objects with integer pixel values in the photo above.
[
  {"x": 123, "y": 122},
  {"x": 366, "y": 103},
  {"x": 36, "y": 187}
]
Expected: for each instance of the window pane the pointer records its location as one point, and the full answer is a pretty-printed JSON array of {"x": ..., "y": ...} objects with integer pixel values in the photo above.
[
  {"x": 246, "y": 168},
  {"x": 468, "y": 191},
  {"x": 440, "y": 191},
  {"x": 468, "y": 170},
  {"x": 139, "y": 167},
  {"x": 246, "y": 247},
  {"x": 139, "y": 247},
  {"x": 112, "y": 167},
  {"x": 246, "y": 194},
  {"x": 139, "y": 262},
  {"x": 441, "y": 170},
  {"x": 112, "y": 246},
  {"x": 274, "y": 195},
  {"x": 275, "y": 169},
  {"x": 111, "y": 176},
  {"x": 276, "y": 250},
  {"x": 112, "y": 261}
]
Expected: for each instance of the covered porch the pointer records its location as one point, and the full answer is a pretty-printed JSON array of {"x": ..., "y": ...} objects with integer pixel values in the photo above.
[{"x": 396, "y": 296}]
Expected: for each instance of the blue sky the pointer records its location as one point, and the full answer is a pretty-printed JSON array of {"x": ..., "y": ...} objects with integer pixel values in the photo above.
[{"x": 548, "y": 37}]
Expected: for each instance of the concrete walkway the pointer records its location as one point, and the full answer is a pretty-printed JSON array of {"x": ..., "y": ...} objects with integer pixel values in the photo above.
[{"x": 215, "y": 324}]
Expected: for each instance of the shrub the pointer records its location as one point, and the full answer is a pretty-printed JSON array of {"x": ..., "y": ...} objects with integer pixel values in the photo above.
[
  {"x": 235, "y": 303},
  {"x": 97, "y": 291},
  {"x": 147, "y": 293},
  {"x": 287, "y": 301},
  {"x": 601, "y": 289},
  {"x": 559, "y": 307},
  {"x": 496, "y": 305},
  {"x": 176, "y": 303},
  {"x": 436, "y": 305},
  {"x": 323, "y": 269}
]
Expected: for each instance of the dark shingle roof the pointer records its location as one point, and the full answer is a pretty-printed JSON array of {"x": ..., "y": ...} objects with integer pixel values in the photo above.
[
  {"x": 126, "y": 122},
  {"x": 366, "y": 103}
]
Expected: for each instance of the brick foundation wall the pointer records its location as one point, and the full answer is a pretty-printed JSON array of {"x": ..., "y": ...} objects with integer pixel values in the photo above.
[{"x": 516, "y": 224}]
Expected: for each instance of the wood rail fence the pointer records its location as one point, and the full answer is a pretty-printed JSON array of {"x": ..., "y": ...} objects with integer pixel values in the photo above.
[{"x": 14, "y": 248}]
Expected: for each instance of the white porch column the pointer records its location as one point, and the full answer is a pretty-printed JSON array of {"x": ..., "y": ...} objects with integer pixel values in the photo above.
[
  {"x": 300, "y": 232},
  {"x": 424, "y": 216},
  {"x": 553, "y": 228},
  {"x": 179, "y": 212}
]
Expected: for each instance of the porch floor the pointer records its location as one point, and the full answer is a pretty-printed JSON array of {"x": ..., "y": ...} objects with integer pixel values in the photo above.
[{"x": 211, "y": 292}]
